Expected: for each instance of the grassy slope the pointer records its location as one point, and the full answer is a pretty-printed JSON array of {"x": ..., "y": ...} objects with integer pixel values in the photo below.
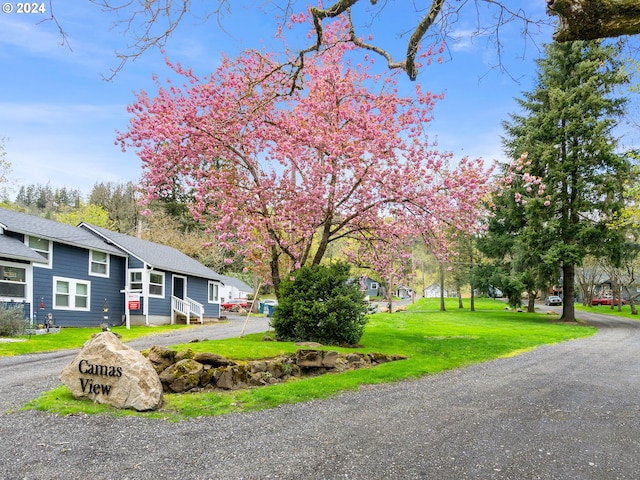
[{"x": 434, "y": 341}]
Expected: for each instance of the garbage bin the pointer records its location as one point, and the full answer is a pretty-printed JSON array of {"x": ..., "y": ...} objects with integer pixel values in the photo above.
[
  {"x": 261, "y": 307},
  {"x": 270, "y": 310}
]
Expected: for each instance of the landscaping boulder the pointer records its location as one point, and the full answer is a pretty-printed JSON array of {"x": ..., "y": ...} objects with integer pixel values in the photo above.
[
  {"x": 161, "y": 357},
  {"x": 108, "y": 371},
  {"x": 182, "y": 376}
]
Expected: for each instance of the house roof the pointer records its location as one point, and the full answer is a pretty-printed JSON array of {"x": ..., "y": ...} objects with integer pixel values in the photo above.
[
  {"x": 51, "y": 230},
  {"x": 236, "y": 282},
  {"x": 15, "y": 249},
  {"x": 153, "y": 254}
]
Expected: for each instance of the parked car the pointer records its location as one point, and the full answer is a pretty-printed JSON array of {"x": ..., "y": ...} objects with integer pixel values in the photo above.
[
  {"x": 235, "y": 305},
  {"x": 606, "y": 300},
  {"x": 552, "y": 300}
]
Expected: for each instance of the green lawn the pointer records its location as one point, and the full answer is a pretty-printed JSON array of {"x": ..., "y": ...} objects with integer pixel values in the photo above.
[
  {"x": 607, "y": 310},
  {"x": 70, "y": 338},
  {"x": 434, "y": 341}
]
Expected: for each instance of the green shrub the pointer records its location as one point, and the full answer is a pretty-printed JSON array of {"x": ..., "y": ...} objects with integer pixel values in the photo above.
[
  {"x": 321, "y": 305},
  {"x": 12, "y": 321}
]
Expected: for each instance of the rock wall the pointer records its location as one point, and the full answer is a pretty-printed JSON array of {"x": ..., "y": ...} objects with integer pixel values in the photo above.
[{"x": 188, "y": 371}]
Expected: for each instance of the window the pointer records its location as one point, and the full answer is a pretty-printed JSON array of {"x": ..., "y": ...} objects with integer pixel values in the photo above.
[
  {"x": 43, "y": 247},
  {"x": 213, "y": 292},
  {"x": 13, "y": 282},
  {"x": 374, "y": 286},
  {"x": 98, "y": 264},
  {"x": 135, "y": 280},
  {"x": 70, "y": 294},
  {"x": 156, "y": 284}
]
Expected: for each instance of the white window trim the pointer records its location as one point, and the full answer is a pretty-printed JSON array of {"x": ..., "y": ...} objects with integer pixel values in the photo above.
[
  {"x": 374, "y": 286},
  {"x": 28, "y": 283},
  {"x": 209, "y": 285},
  {"x": 135, "y": 270},
  {"x": 164, "y": 283},
  {"x": 92, "y": 261},
  {"x": 73, "y": 282},
  {"x": 49, "y": 263}
]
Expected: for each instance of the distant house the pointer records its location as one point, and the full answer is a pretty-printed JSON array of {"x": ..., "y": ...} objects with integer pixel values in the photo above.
[
  {"x": 433, "y": 291},
  {"x": 369, "y": 286},
  {"x": 234, "y": 288},
  {"x": 87, "y": 275},
  {"x": 403, "y": 291}
]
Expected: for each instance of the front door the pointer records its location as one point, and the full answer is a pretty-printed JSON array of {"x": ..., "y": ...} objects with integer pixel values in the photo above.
[{"x": 179, "y": 287}]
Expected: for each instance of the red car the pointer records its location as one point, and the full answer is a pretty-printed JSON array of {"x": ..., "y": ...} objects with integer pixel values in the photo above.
[
  {"x": 235, "y": 305},
  {"x": 606, "y": 301}
]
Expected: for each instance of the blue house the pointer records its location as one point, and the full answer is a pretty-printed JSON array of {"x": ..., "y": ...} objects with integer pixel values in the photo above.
[
  {"x": 162, "y": 284},
  {"x": 369, "y": 286},
  {"x": 86, "y": 275}
]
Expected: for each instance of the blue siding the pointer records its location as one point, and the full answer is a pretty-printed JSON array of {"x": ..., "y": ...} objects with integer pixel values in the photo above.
[
  {"x": 162, "y": 306},
  {"x": 135, "y": 263},
  {"x": 73, "y": 263},
  {"x": 198, "y": 290}
]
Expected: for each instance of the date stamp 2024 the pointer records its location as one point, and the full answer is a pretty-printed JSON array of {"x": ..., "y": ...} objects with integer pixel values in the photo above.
[{"x": 24, "y": 7}]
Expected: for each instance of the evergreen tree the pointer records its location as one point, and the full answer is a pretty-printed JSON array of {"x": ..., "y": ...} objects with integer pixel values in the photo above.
[
  {"x": 567, "y": 127},
  {"x": 120, "y": 201}
]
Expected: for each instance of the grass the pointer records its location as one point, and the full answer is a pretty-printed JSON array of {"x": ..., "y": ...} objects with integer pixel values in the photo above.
[
  {"x": 70, "y": 338},
  {"x": 434, "y": 341},
  {"x": 607, "y": 310}
]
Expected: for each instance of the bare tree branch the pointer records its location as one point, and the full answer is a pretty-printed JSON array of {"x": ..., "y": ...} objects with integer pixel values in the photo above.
[{"x": 150, "y": 24}]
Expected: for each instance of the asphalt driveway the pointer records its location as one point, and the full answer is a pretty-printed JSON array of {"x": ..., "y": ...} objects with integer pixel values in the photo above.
[{"x": 566, "y": 411}]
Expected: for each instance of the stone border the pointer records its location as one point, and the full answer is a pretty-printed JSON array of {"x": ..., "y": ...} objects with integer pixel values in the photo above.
[{"x": 188, "y": 371}]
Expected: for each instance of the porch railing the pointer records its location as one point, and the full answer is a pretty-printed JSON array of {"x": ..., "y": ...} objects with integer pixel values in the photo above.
[{"x": 188, "y": 308}]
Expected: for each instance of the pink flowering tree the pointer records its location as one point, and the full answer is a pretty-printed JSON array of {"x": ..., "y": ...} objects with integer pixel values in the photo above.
[{"x": 279, "y": 175}]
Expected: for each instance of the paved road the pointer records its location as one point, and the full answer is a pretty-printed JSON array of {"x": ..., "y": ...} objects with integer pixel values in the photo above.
[{"x": 566, "y": 411}]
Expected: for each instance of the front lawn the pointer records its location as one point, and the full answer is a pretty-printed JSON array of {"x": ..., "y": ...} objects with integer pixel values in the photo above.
[
  {"x": 434, "y": 341},
  {"x": 607, "y": 310},
  {"x": 70, "y": 338}
]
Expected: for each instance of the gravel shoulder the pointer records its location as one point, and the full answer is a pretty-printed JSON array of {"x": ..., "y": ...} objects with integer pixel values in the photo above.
[{"x": 561, "y": 411}]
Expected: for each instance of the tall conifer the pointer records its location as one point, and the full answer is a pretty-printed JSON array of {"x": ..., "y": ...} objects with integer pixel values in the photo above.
[{"x": 567, "y": 126}]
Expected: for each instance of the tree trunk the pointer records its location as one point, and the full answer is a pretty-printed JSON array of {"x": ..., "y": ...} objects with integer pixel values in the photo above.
[
  {"x": 275, "y": 270},
  {"x": 472, "y": 300},
  {"x": 569, "y": 294},
  {"x": 632, "y": 305},
  {"x": 442, "y": 307},
  {"x": 531, "y": 304},
  {"x": 591, "y": 19}
]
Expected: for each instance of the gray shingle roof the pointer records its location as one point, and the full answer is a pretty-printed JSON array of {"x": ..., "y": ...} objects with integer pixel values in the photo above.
[
  {"x": 236, "y": 282},
  {"x": 51, "y": 230},
  {"x": 153, "y": 254},
  {"x": 15, "y": 249}
]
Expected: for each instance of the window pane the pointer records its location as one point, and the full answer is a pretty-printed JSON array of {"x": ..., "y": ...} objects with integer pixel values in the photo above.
[
  {"x": 155, "y": 289},
  {"x": 39, "y": 244},
  {"x": 81, "y": 289},
  {"x": 13, "y": 274},
  {"x": 100, "y": 268},
  {"x": 99, "y": 257},
  {"x": 62, "y": 300},
  {"x": 12, "y": 289},
  {"x": 81, "y": 302},
  {"x": 62, "y": 287},
  {"x": 156, "y": 278}
]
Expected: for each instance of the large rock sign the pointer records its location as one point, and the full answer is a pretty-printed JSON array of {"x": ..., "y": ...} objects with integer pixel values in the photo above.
[{"x": 108, "y": 371}]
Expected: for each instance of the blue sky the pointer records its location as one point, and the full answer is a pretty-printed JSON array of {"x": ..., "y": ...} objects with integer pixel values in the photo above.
[{"x": 59, "y": 116}]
